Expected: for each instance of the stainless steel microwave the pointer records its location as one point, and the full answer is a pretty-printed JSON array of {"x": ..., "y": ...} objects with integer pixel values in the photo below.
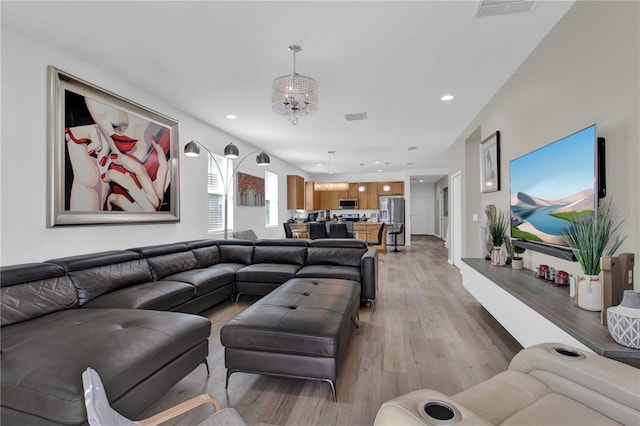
[{"x": 348, "y": 203}]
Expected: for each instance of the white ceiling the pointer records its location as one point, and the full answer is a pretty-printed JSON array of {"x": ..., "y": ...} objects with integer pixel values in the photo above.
[{"x": 392, "y": 60}]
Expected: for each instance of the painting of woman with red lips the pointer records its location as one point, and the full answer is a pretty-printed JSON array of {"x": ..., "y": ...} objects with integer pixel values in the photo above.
[
  {"x": 116, "y": 161},
  {"x": 125, "y": 161}
]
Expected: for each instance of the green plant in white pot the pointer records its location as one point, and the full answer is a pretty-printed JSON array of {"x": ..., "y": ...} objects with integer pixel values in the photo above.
[
  {"x": 516, "y": 260},
  {"x": 498, "y": 227},
  {"x": 590, "y": 238}
]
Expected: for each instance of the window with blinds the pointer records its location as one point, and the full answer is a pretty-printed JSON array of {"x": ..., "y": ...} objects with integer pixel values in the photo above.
[
  {"x": 271, "y": 198},
  {"x": 215, "y": 190}
]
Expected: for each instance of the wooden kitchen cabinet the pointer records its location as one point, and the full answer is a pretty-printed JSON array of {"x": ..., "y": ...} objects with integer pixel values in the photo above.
[
  {"x": 372, "y": 195},
  {"x": 353, "y": 190},
  {"x": 311, "y": 197},
  {"x": 295, "y": 192},
  {"x": 396, "y": 188}
]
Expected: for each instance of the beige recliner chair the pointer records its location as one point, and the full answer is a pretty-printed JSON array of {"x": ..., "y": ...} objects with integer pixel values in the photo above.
[{"x": 546, "y": 384}]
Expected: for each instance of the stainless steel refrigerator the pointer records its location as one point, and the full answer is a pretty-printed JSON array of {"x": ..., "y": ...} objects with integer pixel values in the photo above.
[{"x": 392, "y": 213}]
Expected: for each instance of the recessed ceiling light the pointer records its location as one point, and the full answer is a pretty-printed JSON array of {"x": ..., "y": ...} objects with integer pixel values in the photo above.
[
  {"x": 319, "y": 165},
  {"x": 376, "y": 162},
  {"x": 231, "y": 116},
  {"x": 446, "y": 97}
]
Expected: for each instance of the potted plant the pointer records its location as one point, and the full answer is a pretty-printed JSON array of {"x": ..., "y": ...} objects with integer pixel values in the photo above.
[
  {"x": 516, "y": 260},
  {"x": 498, "y": 227},
  {"x": 590, "y": 238}
]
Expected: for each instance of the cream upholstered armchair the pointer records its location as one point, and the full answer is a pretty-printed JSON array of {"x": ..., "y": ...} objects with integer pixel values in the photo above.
[
  {"x": 100, "y": 413},
  {"x": 546, "y": 384}
]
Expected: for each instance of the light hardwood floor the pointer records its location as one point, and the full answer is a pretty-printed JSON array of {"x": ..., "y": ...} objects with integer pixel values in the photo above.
[{"x": 427, "y": 332}]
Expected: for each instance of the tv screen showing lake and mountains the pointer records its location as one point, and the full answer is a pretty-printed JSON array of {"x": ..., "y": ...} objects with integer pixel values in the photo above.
[{"x": 551, "y": 186}]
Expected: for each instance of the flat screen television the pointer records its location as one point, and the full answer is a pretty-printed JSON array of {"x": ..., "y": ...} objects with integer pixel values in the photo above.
[{"x": 552, "y": 185}]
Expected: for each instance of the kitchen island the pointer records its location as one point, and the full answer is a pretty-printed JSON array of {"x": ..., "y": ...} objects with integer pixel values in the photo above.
[{"x": 364, "y": 231}]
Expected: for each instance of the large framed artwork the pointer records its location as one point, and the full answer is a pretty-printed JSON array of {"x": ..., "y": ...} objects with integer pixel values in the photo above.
[
  {"x": 110, "y": 160},
  {"x": 490, "y": 163},
  {"x": 250, "y": 190}
]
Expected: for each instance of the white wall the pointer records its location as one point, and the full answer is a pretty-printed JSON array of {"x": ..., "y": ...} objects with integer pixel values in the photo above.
[
  {"x": 23, "y": 232},
  {"x": 585, "y": 71}
]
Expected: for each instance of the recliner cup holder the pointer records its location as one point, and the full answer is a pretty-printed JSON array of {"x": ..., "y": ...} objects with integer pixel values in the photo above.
[
  {"x": 439, "y": 412},
  {"x": 567, "y": 353}
]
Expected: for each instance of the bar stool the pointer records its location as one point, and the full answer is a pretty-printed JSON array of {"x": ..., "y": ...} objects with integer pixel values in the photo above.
[{"x": 395, "y": 232}]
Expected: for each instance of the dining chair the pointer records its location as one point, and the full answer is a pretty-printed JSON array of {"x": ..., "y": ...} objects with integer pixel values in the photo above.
[
  {"x": 317, "y": 230},
  {"x": 380, "y": 234},
  {"x": 287, "y": 230},
  {"x": 338, "y": 230}
]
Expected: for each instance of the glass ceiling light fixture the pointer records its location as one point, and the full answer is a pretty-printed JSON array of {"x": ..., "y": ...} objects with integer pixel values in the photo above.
[
  {"x": 294, "y": 95},
  {"x": 192, "y": 149}
]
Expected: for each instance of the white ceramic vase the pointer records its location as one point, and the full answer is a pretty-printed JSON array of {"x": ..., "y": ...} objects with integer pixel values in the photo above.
[
  {"x": 623, "y": 320},
  {"x": 497, "y": 258},
  {"x": 590, "y": 292},
  {"x": 517, "y": 263}
]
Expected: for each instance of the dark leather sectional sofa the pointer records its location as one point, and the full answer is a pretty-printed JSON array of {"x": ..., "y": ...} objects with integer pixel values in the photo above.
[{"x": 112, "y": 311}]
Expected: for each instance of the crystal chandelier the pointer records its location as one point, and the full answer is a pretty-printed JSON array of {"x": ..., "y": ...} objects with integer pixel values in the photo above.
[{"x": 294, "y": 95}]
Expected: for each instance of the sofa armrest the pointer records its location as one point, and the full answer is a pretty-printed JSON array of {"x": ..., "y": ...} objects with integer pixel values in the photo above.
[
  {"x": 369, "y": 274},
  {"x": 606, "y": 385},
  {"x": 403, "y": 410}
]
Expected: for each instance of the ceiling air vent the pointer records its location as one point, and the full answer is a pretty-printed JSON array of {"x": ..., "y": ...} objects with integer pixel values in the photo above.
[
  {"x": 356, "y": 116},
  {"x": 503, "y": 7}
]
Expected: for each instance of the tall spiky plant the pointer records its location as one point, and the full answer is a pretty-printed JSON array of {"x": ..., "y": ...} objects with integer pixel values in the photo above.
[
  {"x": 592, "y": 237},
  {"x": 498, "y": 226}
]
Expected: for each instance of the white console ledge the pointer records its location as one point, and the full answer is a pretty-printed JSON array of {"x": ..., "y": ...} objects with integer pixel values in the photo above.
[{"x": 536, "y": 311}]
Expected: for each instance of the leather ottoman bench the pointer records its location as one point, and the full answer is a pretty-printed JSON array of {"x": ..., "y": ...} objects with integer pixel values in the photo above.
[{"x": 301, "y": 330}]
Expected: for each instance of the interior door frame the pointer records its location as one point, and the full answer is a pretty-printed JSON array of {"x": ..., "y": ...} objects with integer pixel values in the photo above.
[{"x": 455, "y": 220}]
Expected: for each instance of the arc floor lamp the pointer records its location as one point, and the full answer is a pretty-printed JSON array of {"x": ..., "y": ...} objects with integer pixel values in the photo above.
[{"x": 192, "y": 149}]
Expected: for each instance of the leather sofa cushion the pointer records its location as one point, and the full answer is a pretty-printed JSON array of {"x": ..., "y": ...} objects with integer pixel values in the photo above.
[
  {"x": 32, "y": 290},
  {"x": 206, "y": 256},
  {"x": 335, "y": 256},
  {"x": 554, "y": 409},
  {"x": 156, "y": 295},
  {"x": 267, "y": 273},
  {"x": 94, "y": 260},
  {"x": 124, "y": 346},
  {"x": 232, "y": 267},
  {"x": 236, "y": 253},
  {"x": 514, "y": 390},
  {"x": 160, "y": 249},
  {"x": 205, "y": 280},
  {"x": 26, "y": 272},
  {"x": 167, "y": 264},
  {"x": 329, "y": 271},
  {"x": 94, "y": 282},
  {"x": 278, "y": 254},
  {"x": 194, "y": 244},
  {"x": 282, "y": 242},
  {"x": 302, "y": 317}
]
